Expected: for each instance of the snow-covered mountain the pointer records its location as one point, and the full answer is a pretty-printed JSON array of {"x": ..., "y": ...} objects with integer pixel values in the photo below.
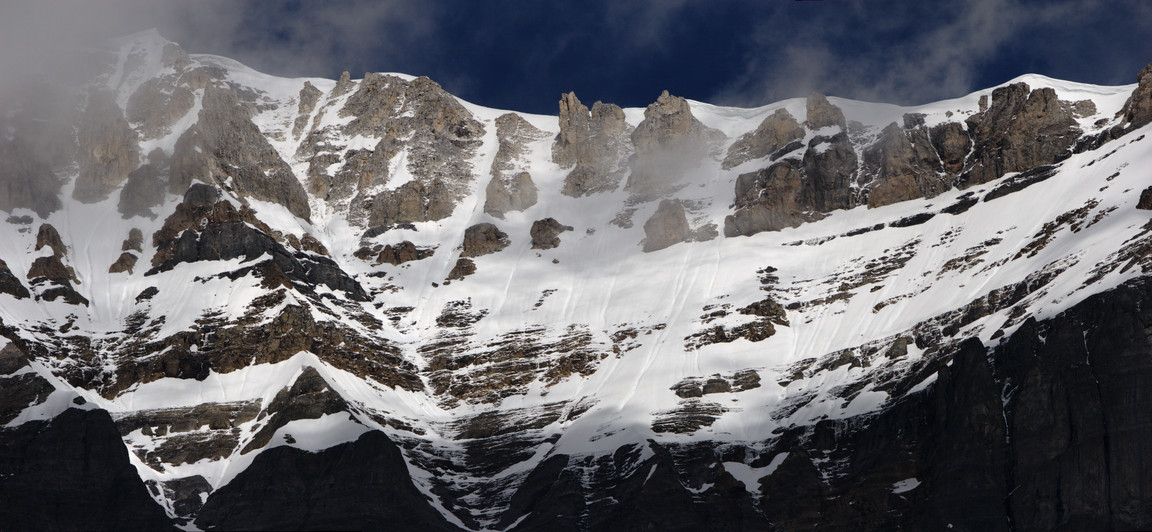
[{"x": 232, "y": 300}]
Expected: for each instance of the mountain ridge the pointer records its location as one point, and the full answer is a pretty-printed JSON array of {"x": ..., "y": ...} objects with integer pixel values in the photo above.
[{"x": 528, "y": 386}]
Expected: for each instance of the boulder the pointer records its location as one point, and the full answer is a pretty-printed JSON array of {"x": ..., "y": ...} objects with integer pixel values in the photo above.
[
  {"x": 546, "y": 233},
  {"x": 403, "y": 252},
  {"x": 126, "y": 263},
  {"x": 483, "y": 239},
  {"x": 667, "y": 226}
]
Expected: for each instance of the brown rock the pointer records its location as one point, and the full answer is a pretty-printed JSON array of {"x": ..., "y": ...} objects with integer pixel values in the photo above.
[
  {"x": 48, "y": 236},
  {"x": 821, "y": 113},
  {"x": 462, "y": 269},
  {"x": 1019, "y": 131},
  {"x": 667, "y": 226},
  {"x": 10, "y": 284},
  {"x": 483, "y": 239},
  {"x": 769, "y": 200},
  {"x": 27, "y": 180},
  {"x": 308, "y": 98},
  {"x": 412, "y": 202},
  {"x": 1137, "y": 110},
  {"x": 225, "y": 144},
  {"x": 905, "y": 165},
  {"x": 546, "y": 233},
  {"x": 126, "y": 263},
  {"x": 134, "y": 242},
  {"x": 1145, "y": 202},
  {"x": 403, "y": 252},
  {"x": 670, "y": 143},
  {"x": 952, "y": 144},
  {"x": 108, "y": 148},
  {"x": 50, "y": 268},
  {"x": 775, "y": 132},
  {"x": 593, "y": 143},
  {"x": 504, "y": 195}
]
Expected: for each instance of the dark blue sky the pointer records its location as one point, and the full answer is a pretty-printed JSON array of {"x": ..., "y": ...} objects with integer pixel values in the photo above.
[{"x": 522, "y": 54}]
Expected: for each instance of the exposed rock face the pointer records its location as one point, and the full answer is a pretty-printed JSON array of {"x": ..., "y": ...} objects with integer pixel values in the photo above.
[
  {"x": 1145, "y": 202},
  {"x": 511, "y": 188},
  {"x": 48, "y": 236},
  {"x": 669, "y": 144},
  {"x": 26, "y": 181},
  {"x": 952, "y": 144},
  {"x": 72, "y": 473},
  {"x": 667, "y": 226},
  {"x": 403, "y": 252},
  {"x": 10, "y": 284},
  {"x": 126, "y": 263},
  {"x": 546, "y": 233},
  {"x": 309, "y": 397},
  {"x": 200, "y": 230},
  {"x": 1137, "y": 110},
  {"x": 418, "y": 117},
  {"x": 158, "y": 104},
  {"x": 829, "y": 172},
  {"x": 769, "y": 200},
  {"x": 483, "y": 239},
  {"x": 821, "y": 113},
  {"x": 134, "y": 242},
  {"x": 18, "y": 392},
  {"x": 778, "y": 130},
  {"x": 593, "y": 143},
  {"x": 413, "y": 202},
  {"x": 225, "y": 147},
  {"x": 505, "y": 195},
  {"x": 462, "y": 269},
  {"x": 146, "y": 187},
  {"x": 287, "y": 488},
  {"x": 1020, "y": 130},
  {"x": 906, "y": 167},
  {"x": 308, "y": 98},
  {"x": 109, "y": 149}
]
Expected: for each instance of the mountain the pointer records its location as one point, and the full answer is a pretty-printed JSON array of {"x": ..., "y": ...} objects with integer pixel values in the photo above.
[{"x": 235, "y": 301}]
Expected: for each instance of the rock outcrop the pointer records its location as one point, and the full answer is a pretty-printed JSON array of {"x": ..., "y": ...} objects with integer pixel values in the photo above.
[
  {"x": 1137, "y": 110},
  {"x": 1021, "y": 129},
  {"x": 146, "y": 187},
  {"x": 777, "y": 131},
  {"x": 1145, "y": 202},
  {"x": 546, "y": 233},
  {"x": 403, "y": 252},
  {"x": 667, "y": 226},
  {"x": 308, "y": 98},
  {"x": 10, "y": 284},
  {"x": 905, "y": 165},
  {"x": 27, "y": 180},
  {"x": 483, "y": 239},
  {"x": 109, "y": 148},
  {"x": 226, "y": 148},
  {"x": 822, "y": 114},
  {"x": 670, "y": 143},
  {"x": 504, "y": 195},
  {"x": 769, "y": 200},
  {"x": 594, "y": 143}
]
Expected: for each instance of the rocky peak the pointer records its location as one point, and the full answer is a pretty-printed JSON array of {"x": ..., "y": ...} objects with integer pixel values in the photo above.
[
  {"x": 670, "y": 143},
  {"x": 1137, "y": 110},
  {"x": 594, "y": 143},
  {"x": 1021, "y": 129},
  {"x": 821, "y": 113}
]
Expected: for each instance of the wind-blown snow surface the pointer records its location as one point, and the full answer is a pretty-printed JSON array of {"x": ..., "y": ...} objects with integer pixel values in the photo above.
[{"x": 598, "y": 280}]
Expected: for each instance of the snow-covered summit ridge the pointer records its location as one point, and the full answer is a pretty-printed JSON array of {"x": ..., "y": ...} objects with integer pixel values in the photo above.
[{"x": 409, "y": 301}]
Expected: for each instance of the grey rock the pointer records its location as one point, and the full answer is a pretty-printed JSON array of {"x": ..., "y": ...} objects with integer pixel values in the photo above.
[
  {"x": 504, "y": 195},
  {"x": 775, "y": 132},
  {"x": 594, "y": 143},
  {"x": 1137, "y": 110},
  {"x": 483, "y": 239},
  {"x": 546, "y": 233},
  {"x": 308, "y": 98},
  {"x": 667, "y": 226},
  {"x": 225, "y": 144},
  {"x": 821, "y": 113},
  {"x": 412, "y": 202},
  {"x": 670, "y": 143},
  {"x": 145, "y": 190},
  {"x": 905, "y": 166},
  {"x": 1020, "y": 130},
  {"x": 108, "y": 148},
  {"x": 27, "y": 180}
]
